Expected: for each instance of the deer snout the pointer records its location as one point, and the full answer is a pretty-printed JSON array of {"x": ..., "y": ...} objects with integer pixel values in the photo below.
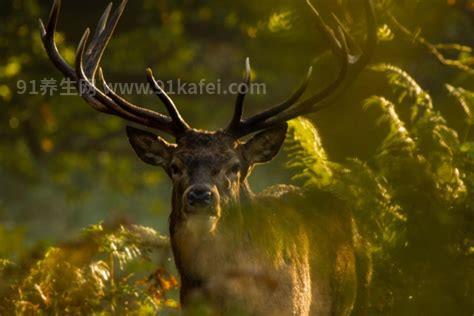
[{"x": 200, "y": 197}]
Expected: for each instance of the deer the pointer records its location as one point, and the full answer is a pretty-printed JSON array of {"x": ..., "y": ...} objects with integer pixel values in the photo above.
[{"x": 269, "y": 253}]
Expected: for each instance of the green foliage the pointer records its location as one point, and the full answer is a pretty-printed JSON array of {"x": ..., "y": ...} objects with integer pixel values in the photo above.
[
  {"x": 465, "y": 99},
  {"x": 108, "y": 271},
  {"x": 353, "y": 181},
  {"x": 411, "y": 201},
  {"x": 306, "y": 154},
  {"x": 404, "y": 84}
]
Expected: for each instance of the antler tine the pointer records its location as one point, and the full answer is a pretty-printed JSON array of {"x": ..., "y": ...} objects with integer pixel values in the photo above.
[
  {"x": 90, "y": 54},
  {"x": 104, "y": 31},
  {"x": 49, "y": 43},
  {"x": 358, "y": 63},
  {"x": 236, "y": 121},
  {"x": 167, "y": 101},
  {"x": 87, "y": 64},
  {"x": 47, "y": 36},
  {"x": 345, "y": 59},
  {"x": 327, "y": 31},
  {"x": 338, "y": 47},
  {"x": 240, "y": 127},
  {"x": 88, "y": 89},
  {"x": 319, "y": 101},
  {"x": 121, "y": 108},
  {"x": 177, "y": 128},
  {"x": 102, "y": 23},
  {"x": 285, "y": 104}
]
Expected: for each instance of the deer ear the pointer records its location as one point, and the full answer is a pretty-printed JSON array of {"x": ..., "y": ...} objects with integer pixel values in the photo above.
[
  {"x": 151, "y": 148},
  {"x": 264, "y": 146}
]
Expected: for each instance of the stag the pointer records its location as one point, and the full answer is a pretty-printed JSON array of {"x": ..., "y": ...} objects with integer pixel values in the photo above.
[{"x": 274, "y": 253}]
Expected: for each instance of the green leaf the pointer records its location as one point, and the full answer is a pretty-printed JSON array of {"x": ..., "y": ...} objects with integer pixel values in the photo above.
[{"x": 466, "y": 99}]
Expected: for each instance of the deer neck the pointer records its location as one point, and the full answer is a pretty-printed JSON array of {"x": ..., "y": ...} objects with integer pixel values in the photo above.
[{"x": 187, "y": 245}]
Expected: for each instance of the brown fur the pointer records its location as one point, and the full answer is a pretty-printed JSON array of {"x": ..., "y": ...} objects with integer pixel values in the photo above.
[{"x": 276, "y": 253}]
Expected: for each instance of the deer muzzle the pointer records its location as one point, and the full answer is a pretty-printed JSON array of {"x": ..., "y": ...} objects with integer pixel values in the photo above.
[{"x": 201, "y": 199}]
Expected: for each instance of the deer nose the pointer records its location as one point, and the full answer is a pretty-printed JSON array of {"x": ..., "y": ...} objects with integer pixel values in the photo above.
[{"x": 200, "y": 196}]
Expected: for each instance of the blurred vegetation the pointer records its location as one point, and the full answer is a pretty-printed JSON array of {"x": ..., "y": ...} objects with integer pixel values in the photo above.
[
  {"x": 410, "y": 176},
  {"x": 413, "y": 200},
  {"x": 119, "y": 269}
]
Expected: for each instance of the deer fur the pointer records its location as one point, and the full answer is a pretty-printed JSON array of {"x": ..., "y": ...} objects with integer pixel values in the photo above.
[{"x": 274, "y": 253}]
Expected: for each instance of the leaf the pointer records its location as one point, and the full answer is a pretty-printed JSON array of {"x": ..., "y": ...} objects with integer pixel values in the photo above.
[
  {"x": 405, "y": 86},
  {"x": 384, "y": 33},
  {"x": 307, "y": 155},
  {"x": 279, "y": 21},
  {"x": 466, "y": 99},
  {"x": 398, "y": 138},
  {"x": 468, "y": 149}
]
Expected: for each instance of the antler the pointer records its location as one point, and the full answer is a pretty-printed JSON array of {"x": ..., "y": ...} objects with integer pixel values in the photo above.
[
  {"x": 87, "y": 64},
  {"x": 291, "y": 108}
]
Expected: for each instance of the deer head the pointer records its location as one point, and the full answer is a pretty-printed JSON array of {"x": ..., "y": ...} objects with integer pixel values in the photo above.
[{"x": 208, "y": 169}]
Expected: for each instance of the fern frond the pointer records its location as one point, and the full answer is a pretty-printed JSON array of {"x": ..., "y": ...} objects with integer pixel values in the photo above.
[
  {"x": 126, "y": 243},
  {"x": 376, "y": 212},
  {"x": 398, "y": 139},
  {"x": 466, "y": 99},
  {"x": 404, "y": 85},
  {"x": 80, "y": 278},
  {"x": 353, "y": 182},
  {"x": 429, "y": 133},
  {"x": 307, "y": 155}
]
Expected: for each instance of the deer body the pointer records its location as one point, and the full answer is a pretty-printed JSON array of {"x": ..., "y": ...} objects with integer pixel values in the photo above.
[
  {"x": 268, "y": 254},
  {"x": 231, "y": 268},
  {"x": 275, "y": 253},
  {"x": 232, "y": 272},
  {"x": 312, "y": 273}
]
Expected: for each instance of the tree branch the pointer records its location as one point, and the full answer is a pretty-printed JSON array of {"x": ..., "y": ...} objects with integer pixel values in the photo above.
[{"x": 436, "y": 49}]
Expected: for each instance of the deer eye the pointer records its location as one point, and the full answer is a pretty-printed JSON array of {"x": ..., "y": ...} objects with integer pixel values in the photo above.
[{"x": 175, "y": 170}]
